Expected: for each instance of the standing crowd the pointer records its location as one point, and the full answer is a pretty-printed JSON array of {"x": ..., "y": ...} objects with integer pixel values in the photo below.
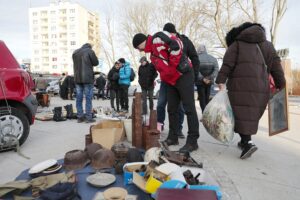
[{"x": 247, "y": 63}]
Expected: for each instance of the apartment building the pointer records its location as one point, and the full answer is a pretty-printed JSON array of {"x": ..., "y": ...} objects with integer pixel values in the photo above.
[{"x": 56, "y": 31}]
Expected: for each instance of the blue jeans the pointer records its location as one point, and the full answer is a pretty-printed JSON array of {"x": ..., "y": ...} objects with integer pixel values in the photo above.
[
  {"x": 87, "y": 90},
  {"x": 161, "y": 106}
]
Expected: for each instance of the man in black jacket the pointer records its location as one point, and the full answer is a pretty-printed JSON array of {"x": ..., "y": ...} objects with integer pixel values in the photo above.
[
  {"x": 100, "y": 83},
  {"x": 84, "y": 59},
  {"x": 147, "y": 75},
  {"x": 113, "y": 78}
]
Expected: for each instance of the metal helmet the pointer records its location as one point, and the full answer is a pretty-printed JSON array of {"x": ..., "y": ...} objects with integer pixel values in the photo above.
[
  {"x": 75, "y": 159},
  {"x": 103, "y": 158},
  {"x": 92, "y": 148},
  {"x": 152, "y": 154}
]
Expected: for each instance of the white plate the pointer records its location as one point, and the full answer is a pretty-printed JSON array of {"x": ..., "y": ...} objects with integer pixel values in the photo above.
[
  {"x": 55, "y": 169},
  {"x": 42, "y": 166},
  {"x": 101, "y": 179}
]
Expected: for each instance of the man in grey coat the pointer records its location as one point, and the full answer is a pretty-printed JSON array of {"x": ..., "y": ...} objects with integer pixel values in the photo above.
[
  {"x": 207, "y": 73},
  {"x": 84, "y": 59}
]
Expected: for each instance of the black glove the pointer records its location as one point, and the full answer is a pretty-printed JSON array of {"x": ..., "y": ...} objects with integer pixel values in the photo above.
[{"x": 172, "y": 43}]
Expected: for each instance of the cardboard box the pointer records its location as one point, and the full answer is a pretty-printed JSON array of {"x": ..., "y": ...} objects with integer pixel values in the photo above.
[
  {"x": 151, "y": 184},
  {"x": 107, "y": 133},
  {"x": 128, "y": 170}
]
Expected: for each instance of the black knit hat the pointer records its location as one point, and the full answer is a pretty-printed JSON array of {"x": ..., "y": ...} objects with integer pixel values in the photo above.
[
  {"x": 170, "y": 28},
  {"x": 138, "y": 39},
  {"x": 122, "y": 60}
]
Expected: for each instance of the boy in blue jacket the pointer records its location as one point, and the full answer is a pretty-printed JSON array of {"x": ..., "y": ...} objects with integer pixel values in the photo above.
[{"x": 124, "y": 82}]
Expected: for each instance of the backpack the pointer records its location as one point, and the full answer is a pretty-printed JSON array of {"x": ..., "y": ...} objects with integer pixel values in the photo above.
[{"x": 132, "y": 75}]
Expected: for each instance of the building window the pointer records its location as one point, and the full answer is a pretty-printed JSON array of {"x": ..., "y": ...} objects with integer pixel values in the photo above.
[
  {"x": 35, "y": 37},
  {"x": 52, "y": 12},
  {"x": 72, "y": 26},
  {"x": 53, "y": 36},
  {"x": 34, "y": 14},
  {"x": 54, "y": 66},
  {"x": 36, "y": 51},
  {"x": 34, "y": 21},
  {"x": 54, "y": 51},
  {"x": 36, "y": 59},
  {"x": 35, "y": 29},
  {"x": 72, "y": 19},
  {"x": 54, "y": 59},
  {"x": 36, "y": 67},
  {"x": 73, "y": 43},
  {"x": 72, "y": 34},
  {"x": 53, "y": 43},
  {"x": 53, "y": 28},
  {"x": 72, "y": 10}
]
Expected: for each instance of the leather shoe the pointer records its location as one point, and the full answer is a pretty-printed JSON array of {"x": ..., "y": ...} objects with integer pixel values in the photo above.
[
  {"x": 188, "y": 148},
  {"x": 170, "y": 142}
]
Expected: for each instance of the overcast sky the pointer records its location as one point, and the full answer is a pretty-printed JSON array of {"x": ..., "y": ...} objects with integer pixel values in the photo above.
[{"x": 15, "y": 26}]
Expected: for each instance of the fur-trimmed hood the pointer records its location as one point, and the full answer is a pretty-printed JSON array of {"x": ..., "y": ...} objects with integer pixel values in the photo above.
[{"x": 247, "y": 32}]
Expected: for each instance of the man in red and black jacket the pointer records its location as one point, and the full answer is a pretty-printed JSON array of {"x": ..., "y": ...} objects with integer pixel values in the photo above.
[{"x": 166, "y": 55}]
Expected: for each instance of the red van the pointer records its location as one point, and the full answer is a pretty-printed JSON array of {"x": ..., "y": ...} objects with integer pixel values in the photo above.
[{"x": 17, "y": 105}]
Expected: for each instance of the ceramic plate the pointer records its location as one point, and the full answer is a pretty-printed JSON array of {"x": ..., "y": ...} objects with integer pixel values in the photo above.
[
  {"x": 101, "y": 179},
  {"x": 42, "y": 166}
]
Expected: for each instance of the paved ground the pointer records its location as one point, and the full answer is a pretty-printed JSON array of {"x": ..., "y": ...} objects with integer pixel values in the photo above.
[{"x": 272, "y": 173}]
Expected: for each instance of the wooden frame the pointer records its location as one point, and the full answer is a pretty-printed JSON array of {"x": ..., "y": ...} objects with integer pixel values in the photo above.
[{"x": 278, "y": 113}]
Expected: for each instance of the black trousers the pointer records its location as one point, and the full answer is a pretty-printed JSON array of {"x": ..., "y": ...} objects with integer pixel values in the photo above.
[
  {"x": 115, "y": 94},
  {"x": 245, "y": 138},
  {"x": 203, "y": 95},
  {"x": 183, "y": 91},
  {"x": 124, "y": 96},
  {"x": 145, "y": 94}
]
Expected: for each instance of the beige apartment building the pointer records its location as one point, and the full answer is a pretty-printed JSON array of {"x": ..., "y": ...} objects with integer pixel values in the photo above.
[{"x": 56, "y": 31}]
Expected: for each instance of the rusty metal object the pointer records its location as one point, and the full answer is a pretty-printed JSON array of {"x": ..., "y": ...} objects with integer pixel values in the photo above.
[
  {"x": 153, "y": 120},
  {"x": 88, "y": 139},
  {"x": 152, "y": 138},
  {"x": 137, "y": 134}
]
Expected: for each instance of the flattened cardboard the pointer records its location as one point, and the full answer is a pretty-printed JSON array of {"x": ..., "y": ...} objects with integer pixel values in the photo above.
[{"x": 107, "y": 133}]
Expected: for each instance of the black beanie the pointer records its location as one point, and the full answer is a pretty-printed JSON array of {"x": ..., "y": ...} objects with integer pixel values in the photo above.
[
  {"x": 170, "y": 28},
  {"x": 138, "y": 39},
  {"x": 122, "y": 60}
]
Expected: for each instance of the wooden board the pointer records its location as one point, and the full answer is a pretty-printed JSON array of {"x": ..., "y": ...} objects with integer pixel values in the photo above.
[{"x": 278, "y": 113}]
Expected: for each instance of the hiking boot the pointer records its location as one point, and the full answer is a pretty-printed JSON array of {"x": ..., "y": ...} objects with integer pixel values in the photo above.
[
  {"x": 90, "y": 121},
  {"x": 188, "y": 148},
  {"x": 170, "y": 142},
  {"x": 248, "y": 150},
  {"x": 80, "y": 119},
  {"x": 180, "y": 135},
  {"x": 57, "y": 114}
]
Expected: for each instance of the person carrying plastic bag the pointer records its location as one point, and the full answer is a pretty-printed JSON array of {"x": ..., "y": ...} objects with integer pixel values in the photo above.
[{"x": 218, "y": 118}]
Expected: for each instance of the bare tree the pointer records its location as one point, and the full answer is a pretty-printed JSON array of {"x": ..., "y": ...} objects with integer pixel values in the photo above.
[{"x": 279, "y": 9}]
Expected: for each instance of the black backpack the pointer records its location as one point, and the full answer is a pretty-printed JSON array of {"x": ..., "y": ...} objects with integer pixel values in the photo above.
[{"x": 132, "y": 75}]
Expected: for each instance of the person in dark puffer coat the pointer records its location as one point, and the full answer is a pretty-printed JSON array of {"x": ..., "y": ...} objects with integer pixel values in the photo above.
[{"x": 247, "y": 79}]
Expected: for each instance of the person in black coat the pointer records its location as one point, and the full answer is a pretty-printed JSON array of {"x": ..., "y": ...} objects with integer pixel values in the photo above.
[
  {"x": 147, "y": 75},
  {"x": 100, "y": 83},
  {"x": 113, "y": 78}
]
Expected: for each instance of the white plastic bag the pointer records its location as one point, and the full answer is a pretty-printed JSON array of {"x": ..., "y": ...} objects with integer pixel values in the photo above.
[{"x": 218, "y": 118}]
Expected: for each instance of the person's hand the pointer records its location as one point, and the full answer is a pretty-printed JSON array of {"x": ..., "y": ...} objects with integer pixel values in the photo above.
[
  {"x": 221, "y": 86},
  {"x": 206, "y": 81},
  {"x": 174, "y": 46}
]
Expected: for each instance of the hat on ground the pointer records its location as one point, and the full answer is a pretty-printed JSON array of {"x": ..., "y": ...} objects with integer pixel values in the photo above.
[
  {"x": 138, "y": 39},
  {"x": 76, "y": 159},
  {"x": 122, "y": 60},
  {"x": 92, "y": 148},
  {"x": 170, "y": 28},
  {"x": 143, "y": 59}
]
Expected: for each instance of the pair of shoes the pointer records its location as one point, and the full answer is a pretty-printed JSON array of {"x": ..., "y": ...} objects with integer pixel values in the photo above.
[
  {"x": 80, "y": 119},
  {"x": 180, "y": 135},
  {"x": 170, "y": 142},
  {"x": 188, "y": 148},
  {"x": 248, "y": 150},
  {"x": 90, "y": 121}
]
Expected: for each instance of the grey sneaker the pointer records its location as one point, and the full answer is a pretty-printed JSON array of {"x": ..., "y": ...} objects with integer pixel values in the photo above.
[
  {"x": 90, "y": 121},
  {"x": 80, "y": 119}
]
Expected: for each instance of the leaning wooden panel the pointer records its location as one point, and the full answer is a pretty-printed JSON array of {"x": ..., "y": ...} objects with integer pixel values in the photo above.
[{"x": 278, "y": 113}]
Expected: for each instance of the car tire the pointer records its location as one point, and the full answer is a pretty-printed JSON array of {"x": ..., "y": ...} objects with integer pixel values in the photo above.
[{"x": 17, "y": 122}]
